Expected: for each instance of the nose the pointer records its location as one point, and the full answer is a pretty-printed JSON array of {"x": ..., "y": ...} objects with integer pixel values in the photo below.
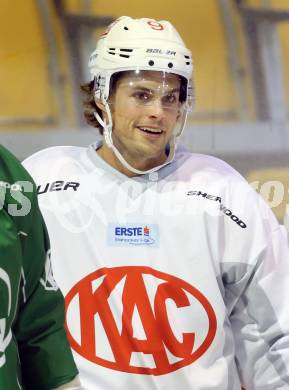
[{"x": 156, "y": 109}]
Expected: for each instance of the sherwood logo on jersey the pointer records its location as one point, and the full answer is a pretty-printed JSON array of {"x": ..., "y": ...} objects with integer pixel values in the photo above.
[
  {"x": 139, "y": 320},
  {"x": 223, "y": 208},
  {"x": 133, "y": 235}
]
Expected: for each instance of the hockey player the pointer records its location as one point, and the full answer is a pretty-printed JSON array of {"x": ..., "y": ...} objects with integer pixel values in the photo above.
[
  {"x": 175, "y": 273},
  {"x": 34, "y": 353}
]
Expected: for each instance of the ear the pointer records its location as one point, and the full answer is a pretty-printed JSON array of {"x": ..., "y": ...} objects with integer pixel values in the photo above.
[{"x": 99, "y": 104}]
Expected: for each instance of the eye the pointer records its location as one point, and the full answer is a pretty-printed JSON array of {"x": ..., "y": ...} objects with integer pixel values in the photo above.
[
  {"x": 142, "y": 96},
  {"x": 170, "y": 99}
]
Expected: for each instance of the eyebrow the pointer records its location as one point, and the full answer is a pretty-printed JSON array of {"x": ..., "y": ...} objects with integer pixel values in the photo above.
[{"x": 145, "y": 89}]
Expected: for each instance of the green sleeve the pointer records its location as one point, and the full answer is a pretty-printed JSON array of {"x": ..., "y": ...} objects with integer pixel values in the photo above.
[{"x": 45, "y": 356}]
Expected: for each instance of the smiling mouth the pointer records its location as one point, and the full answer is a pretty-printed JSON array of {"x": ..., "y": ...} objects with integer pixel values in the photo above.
[{"x": 150, "y": 130}]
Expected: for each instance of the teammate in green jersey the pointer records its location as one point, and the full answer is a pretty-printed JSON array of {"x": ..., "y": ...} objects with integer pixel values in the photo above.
[{"x": 34, "y": 353}]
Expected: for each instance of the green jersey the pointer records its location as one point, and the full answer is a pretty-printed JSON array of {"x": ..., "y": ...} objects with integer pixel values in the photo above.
[{"x": 34, "y": 352}]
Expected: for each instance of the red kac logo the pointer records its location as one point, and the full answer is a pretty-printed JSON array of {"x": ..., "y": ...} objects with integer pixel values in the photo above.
[{"x": 130, "y": 319}]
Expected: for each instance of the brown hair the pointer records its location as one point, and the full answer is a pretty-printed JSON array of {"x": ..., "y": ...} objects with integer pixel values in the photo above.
[{"x": 89, "y": 106}]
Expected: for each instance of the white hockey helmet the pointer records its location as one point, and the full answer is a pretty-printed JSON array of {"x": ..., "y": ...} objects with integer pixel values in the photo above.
[{"x": 136, "y": 45}]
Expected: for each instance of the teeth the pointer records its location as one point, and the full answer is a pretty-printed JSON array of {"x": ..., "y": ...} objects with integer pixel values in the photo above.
[{"x": 158, "y": 131}]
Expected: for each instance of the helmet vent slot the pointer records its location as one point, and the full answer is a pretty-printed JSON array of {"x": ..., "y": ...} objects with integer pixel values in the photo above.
[{"x": 120, "y": 52}]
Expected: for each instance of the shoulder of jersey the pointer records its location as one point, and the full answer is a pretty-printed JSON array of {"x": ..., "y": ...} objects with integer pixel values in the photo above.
[
  {"x": 207, "y": 165},
  {"x": 51, "y": 156}
]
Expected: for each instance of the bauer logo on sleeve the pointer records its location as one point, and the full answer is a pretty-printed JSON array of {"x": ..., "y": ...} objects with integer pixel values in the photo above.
[{"x": 133, "y": 235}]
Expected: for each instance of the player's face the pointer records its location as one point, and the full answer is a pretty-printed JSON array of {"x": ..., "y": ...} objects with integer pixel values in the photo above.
[{"x": 145, "y": 108}]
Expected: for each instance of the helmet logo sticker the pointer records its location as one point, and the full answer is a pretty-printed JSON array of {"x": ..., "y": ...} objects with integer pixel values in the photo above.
[
  {"x": 138, "y": 320},
  {"x": 155, "y": 25}
]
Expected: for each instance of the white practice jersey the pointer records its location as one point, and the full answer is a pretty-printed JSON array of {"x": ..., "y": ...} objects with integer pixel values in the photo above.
[{"x": 174, "y": 280}]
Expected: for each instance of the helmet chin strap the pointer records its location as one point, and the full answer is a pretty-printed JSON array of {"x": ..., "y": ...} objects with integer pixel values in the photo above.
[{"x": 107, "y": 133}]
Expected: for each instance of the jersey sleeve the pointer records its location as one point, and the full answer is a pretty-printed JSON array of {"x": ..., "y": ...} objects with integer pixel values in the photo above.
[
  {"x": 45, "y": 355},
  {"x": 73, "y": 385},
  {"x": 259, "y": 316}
]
